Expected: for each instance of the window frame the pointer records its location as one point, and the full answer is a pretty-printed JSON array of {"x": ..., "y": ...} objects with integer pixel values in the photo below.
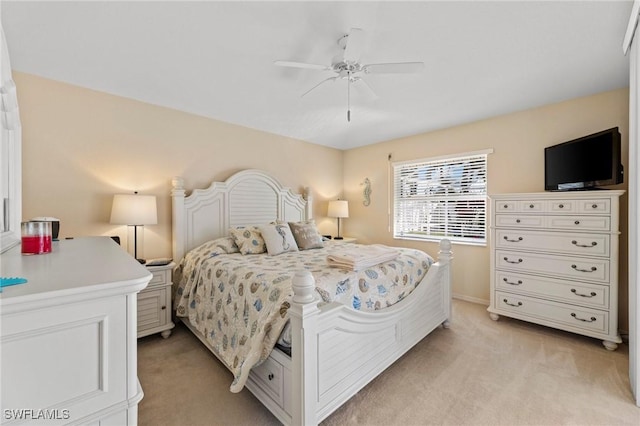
[{"x": 443, "y": 205}]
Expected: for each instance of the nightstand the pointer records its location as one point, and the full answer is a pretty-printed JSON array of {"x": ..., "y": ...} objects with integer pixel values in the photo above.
[
  {"x": 154, "y": 303},
  {"x": 345, "y": 240}
]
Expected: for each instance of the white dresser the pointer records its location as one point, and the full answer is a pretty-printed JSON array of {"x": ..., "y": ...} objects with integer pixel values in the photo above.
[
  {"x": 554, "y": 260},
  {"x": 68, "y": 340}
]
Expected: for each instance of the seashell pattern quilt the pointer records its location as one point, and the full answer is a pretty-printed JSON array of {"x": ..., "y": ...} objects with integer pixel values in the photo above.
[{"x": 240, "y": 302}]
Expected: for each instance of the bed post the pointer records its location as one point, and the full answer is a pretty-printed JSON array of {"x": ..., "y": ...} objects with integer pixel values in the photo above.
[
  {"x": 444, "y": 258},
  {"x": 177, "y": 217},
  {"x": 303, "y": 315}
]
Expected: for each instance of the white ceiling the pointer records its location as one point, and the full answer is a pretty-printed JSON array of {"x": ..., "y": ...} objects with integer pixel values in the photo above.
[{"x": 215, "y": 59}]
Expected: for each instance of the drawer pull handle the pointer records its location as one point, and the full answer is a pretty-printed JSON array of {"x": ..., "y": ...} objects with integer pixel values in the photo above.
[
  {"x": 577, "y": 222},
  {"x": 512, "y": 283},
  {"x": 506, "y": 206},
  {"x": 270, "y": 376},
  {"x": 506, "y": 259},
  {"x": 561, "y": 206},
  {"x": 594, "y": 206},
  {"x": 512, "y": 304},
  {"x": 506, "y": 238},
  {"x": 593, "y": 269},
  {"x": 575, "y": 243},
  {"x": 574, "y": 291},
  {"x": 517, "y": 220},
  {"x": 164, "y": 307},
  {"x": 592, "y": 319}
]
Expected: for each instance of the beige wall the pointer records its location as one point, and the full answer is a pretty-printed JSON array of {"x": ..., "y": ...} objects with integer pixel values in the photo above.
[
  {"x": 81, "y": 146},
  {"x": 517, "y": 165}
]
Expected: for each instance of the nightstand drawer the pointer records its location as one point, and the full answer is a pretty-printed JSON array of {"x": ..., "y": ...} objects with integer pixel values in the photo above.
[{"x": 159, "y": 278}]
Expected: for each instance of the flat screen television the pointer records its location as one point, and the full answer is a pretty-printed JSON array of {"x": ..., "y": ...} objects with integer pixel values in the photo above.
[{"x": 585, "y": 163}]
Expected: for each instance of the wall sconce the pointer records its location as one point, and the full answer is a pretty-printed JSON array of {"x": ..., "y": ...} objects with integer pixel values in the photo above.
[
  {"x": 134, "y": 210},
  {"x": 338, "y": 209}
]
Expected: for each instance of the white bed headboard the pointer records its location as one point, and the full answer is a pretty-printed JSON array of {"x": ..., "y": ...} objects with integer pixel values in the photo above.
[{"x": 249, "y": 197}]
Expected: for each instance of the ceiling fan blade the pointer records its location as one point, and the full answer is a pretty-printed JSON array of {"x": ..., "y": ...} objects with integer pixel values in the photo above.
[
  {"x": 355, "y": 44},
  {"x": 360, "y": 81},
  {"x": 323, "y": 81},
  {"x": 302, "y": 65},
  {"x": 394, "y": 68}
]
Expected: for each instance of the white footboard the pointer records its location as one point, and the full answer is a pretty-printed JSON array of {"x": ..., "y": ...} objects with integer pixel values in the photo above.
[{"x": 336, "y": 351}]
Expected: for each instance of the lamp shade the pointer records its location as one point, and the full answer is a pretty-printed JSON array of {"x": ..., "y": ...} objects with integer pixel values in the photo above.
[
  {"x": 133, "y": 209},
  {"x": 338, "y": 208}
]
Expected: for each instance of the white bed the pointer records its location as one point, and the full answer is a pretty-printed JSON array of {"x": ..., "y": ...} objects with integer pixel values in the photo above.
[{"x": 308, "y": 386}]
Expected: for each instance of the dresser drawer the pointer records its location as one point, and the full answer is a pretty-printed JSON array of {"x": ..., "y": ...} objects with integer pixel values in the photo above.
[
  {"x": 588, "y": 269},
  {"x": 594, "y": 206},
  {"x": 578, "y": 206},
  {"x": 581, "y": 244},
  {"x": 579, "y": 223},
  {"x": 563, "y": 206},
  {"x": 269, "y": 377},
  {"x": 532, "y": 206},
  {"x": 519, "y": 221},
  {"x": 547, "y": 311},
  {"x": 576, "y": 293}
]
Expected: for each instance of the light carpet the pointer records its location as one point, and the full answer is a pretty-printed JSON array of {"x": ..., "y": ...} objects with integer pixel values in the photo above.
[{"x": 478, "y": 372}]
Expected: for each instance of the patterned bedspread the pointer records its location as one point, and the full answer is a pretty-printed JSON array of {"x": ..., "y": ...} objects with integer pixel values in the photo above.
[{"x": 240, "y": 302}]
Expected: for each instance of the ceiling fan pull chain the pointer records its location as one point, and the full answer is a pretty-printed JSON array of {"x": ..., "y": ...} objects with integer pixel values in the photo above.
[{"x": 348, "y": 96}]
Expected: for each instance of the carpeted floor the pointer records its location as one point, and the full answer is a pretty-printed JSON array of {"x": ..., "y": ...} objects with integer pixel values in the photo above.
[{"x": 478, "y": 372}]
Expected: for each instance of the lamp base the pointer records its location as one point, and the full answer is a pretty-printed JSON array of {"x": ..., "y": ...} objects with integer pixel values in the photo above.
[{"x": 338, "y": 238}]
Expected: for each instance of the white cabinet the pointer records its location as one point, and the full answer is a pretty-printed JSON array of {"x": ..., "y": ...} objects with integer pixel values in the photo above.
[
  {"x": 554, "y": 260},
  {"x": 154, "y": 303},
  {"x": 10, "y": 154},
  {"x": 68, "y": 335}
]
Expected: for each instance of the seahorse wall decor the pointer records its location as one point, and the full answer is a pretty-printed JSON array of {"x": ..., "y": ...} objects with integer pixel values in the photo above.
[{"x": 367, "y": 192}]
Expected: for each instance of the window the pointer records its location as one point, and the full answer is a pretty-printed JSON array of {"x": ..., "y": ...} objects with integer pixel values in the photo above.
[{"x": 442, "y": 198}]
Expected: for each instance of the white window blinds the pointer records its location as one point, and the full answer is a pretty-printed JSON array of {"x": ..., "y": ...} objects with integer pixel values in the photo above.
[{"x": 439, "y": 198}]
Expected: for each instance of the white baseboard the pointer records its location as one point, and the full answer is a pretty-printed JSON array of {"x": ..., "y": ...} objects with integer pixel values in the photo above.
[{"x": 470, "y": 299}]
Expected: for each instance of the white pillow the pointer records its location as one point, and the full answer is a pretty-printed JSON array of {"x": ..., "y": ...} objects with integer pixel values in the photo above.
[{"x": 278, "y": 238}]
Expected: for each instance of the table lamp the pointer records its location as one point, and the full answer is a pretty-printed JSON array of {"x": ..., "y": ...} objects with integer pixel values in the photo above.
[
  {"x": 134, "y": 210},
  {"x": 338, "y": 209}
]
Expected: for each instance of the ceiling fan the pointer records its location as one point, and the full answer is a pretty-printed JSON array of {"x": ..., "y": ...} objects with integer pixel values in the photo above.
[{"x": 347, "y": 65}]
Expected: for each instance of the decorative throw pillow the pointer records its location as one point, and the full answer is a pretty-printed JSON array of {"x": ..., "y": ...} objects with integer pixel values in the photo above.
[
  {"x": 225, "y": 245},
  {"x": 306, "y": 235},
  {"x": 278, "y": 238},
  {"x": 248, "y": 239}
]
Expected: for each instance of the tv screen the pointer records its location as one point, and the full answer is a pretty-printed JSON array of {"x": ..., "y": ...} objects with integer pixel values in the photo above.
[{"x": 585, "y": 163}]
